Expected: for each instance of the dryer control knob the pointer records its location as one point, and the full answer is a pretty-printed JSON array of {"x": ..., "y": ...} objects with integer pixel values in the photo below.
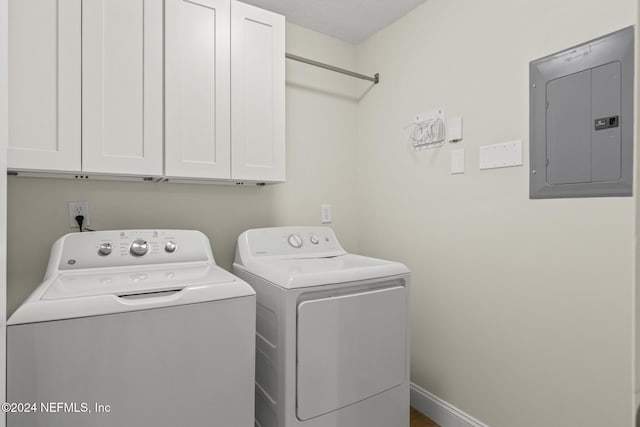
[
  {"x": 314, "y": 239},
  {"x": 170, "y": 246},
  {"x": 139, "y": 247},
  {"x": 105, "y": 249},
  {"x": 295, "y": 241}
]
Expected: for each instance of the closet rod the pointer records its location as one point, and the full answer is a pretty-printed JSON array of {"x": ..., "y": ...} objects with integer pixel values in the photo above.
[{"x": 375, "y": 79}]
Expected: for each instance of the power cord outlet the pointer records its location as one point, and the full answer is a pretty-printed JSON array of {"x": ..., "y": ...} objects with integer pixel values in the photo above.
[{"x": 78, "y": 209}]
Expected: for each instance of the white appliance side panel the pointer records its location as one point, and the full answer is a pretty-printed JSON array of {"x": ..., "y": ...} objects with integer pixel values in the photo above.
[
  {"x": 257, "y": 103},
  {"x": 350, "y": 348},
  {"x": 4, "y": 88},
  {"x": 191, "y": 365},
  {"x": 122, "y": 87},
  {"x": 44, "y": 85},
  {"x": 197, "y": 97}
]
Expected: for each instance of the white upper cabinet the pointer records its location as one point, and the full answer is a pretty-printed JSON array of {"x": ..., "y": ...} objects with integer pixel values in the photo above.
[
  {"x": 122, "y": 87},
  {"x": 44, "y": 85},
  {"x": 187, "y": 89},
  {"x": 197, "y": 117},
  {"x": 257, "y": 94}
]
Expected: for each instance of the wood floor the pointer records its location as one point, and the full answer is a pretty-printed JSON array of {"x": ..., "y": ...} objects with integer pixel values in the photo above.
[{"x": 419, "y": 420}]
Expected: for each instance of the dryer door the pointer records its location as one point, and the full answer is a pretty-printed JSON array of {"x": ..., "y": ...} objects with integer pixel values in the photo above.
[{"x": 350, "y": 347}]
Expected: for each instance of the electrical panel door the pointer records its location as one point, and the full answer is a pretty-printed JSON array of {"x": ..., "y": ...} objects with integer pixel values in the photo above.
[{"x": 581, "y": 120}]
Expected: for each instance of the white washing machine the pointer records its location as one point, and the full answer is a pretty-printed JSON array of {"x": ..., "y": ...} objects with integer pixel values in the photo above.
[
  {"x": 332, "y": 346},
  {"x": 133, "y": 328}
]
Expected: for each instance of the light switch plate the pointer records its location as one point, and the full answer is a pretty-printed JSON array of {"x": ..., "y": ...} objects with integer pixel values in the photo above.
[
  {"x": 504, "y": 155},
  {"x": 457, "y": 161}
]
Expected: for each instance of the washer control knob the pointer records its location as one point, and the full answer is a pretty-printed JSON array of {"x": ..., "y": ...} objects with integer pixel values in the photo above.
[
  {"x": 314, "y": 239},
  {"x": 139, "y": 247},
  {"x": 295, "y": 241},
  {"x": 105, "y": 249},
  {"x": 170, "y": 246}
]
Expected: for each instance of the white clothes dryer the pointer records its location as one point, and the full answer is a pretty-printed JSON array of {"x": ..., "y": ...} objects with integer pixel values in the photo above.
[
  {"x": 133, "y": 328},
  {"x": 332, "y": 342}
]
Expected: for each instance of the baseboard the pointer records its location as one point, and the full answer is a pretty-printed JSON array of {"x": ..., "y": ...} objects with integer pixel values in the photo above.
[{"x": 443, "y": 413}]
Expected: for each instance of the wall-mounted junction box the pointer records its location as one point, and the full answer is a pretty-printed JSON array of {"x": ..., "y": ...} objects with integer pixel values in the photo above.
[{"x": 581, "y": 120}]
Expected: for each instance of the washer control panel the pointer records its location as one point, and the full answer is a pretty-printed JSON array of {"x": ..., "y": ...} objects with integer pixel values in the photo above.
[
  {"x": 131, "y": 247},
  {"x": 291, "y": 241}
]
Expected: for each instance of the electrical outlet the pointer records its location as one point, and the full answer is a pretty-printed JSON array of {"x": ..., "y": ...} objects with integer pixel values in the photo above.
[
  {"x": 78, "y": 208},
  {"x": 325, "y": 214}
]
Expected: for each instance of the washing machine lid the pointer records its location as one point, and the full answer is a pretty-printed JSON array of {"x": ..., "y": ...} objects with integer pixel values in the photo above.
[
  {"x": 107, "y": 291},
  {"x": 293, "y": 273},
  {"x": 133, "y": 281}
]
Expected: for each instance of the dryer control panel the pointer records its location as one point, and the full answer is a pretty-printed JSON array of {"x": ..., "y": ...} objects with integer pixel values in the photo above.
[
  {"x": 292, "y": 242},
  {"x": 115, "y": 248}
]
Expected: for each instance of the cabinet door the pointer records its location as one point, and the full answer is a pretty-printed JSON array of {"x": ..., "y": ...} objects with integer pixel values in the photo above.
[
  {"x": 257, "y": 103},
  {"x": 197, "y": 85},
  {"x": 122, "y": 87},
  {"x": 44, "y": 85}
]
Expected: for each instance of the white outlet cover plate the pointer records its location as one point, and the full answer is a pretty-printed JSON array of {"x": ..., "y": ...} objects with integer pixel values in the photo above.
[
  {"x": 503, "y": 155},
  {"x": 325, "y": 213},
  {"x": 457, "y": 161},
  {"x": 73, "y": 208},
  {"x": 454, "y": 129}
]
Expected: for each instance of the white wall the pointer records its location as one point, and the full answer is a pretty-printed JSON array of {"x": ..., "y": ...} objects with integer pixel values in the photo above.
[
  {"x": 3, "y": 193},
  {"x": 522, "y": 310},
  {"x": 637, "y": 238},
  {"x": 321, "y": 117}
]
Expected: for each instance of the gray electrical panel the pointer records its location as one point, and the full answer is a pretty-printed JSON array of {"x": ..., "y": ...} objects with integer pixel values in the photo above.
[{"x": 581, "y": 120}]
